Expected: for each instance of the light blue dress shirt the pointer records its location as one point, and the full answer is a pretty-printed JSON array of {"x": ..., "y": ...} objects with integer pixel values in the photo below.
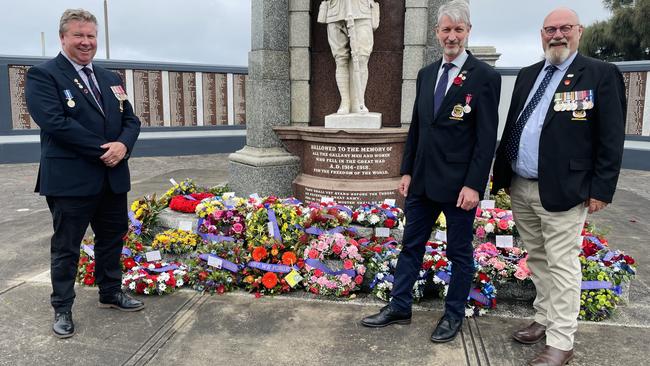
[
  {"x": 458, "y": 63},
  {"x": 527, "y": 161},
  {"x": 83, "y": 75}
]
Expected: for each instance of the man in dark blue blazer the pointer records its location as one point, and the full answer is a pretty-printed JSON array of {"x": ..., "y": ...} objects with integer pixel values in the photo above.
[
  {"x": 445, "y": 168},
  {"x": 88, "y": 130}
]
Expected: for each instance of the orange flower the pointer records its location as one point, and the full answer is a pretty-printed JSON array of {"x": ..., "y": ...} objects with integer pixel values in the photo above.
[
  {"x": 274, "y": 251},
  {"x": 249, "y": 279},
  {"x": 259, "y": 253},
  {"x": 289, "y": 258},
  {"x": 270, "y": 280}
]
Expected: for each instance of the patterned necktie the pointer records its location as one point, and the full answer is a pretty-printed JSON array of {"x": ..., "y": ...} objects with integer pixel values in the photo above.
[
  {"x": 441, "y": 88},
  {"x": 93, "y": 86},
  {"x": 512, "y": 145}
]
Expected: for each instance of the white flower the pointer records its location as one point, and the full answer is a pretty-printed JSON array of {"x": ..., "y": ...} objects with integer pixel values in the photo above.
[
  {"x": 151, "y": 266},
  {"x": 489, "y": 228},
  {"x": 162, "y": 287},
  {"x": 146, "y": 291},
  {"x": 163, "y": 277},
  {"x": 361, "y": 217},
  {"x": 373, "y": 219},
  {"x": 148, "y": 281},
  {"x": 132, "y": 286},
  {"x": 511, "y": 224},
  {"x": 469, "y": 312},
  {"x": 179, "y": 283}
]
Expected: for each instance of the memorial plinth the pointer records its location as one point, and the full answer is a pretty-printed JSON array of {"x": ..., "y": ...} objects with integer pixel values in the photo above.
[
  {"x": 353, "y": 120},
  {"x": 350, "y": 165}
]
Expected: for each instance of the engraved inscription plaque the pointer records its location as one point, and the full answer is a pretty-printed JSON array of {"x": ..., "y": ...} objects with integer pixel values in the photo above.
[
  {"x": 239, "y": 98},
  {"x": 215, "y": 99},
  {"x": 182, "y": 98},
  {"x": 148, "y": 97},
  {"x": 635, "y": 83},
  {"x": 21, "y": 120}
]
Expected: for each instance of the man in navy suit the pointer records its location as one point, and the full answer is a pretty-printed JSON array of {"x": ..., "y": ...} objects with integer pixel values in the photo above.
[
  {"x": 88, "y": 130},
  {"x": 445, "y": 168},
  {"x": 560, "y": 157}
]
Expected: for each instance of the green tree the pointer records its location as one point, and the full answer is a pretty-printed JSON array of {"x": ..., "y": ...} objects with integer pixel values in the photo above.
[{"x": 624, "y": 37}]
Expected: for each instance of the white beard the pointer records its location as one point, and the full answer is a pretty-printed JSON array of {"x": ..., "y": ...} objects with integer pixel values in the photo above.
[{"x": 557, "y": 55}]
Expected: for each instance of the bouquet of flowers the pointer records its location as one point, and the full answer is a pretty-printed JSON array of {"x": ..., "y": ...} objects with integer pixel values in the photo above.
[
  {"x": 218, "y": 274},
  {"x": 496, "y": 221},
  {"x": 223, "y": 222},
  {"x": 86, "y": 267},
  {"x": 272, "y": 262},
  {"x": 502, "y": 264},
  {"x": 274, "y": 220},
  {"x": 187, "y": 203},
  {"x": 383, "y": 215},
  {"x": 185, "y": 187},
  {"x": 375, "y": 245},
  {"x": 176, "y": 241},
  {"x": 328, "y": 250},
  {"x": 326, "y": 219},
  {"x": 155, "y": 278},
  {"x": 143, "y": 216}
]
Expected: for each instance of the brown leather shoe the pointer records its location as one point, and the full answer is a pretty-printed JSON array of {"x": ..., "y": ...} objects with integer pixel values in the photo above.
[
  {"x": 552, "y": 356},
  {"x": 531, "y": 334}
]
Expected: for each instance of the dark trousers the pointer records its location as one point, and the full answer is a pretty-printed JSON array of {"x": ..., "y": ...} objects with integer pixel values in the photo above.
[
  {"x": 107, "y": 215},
  {"x": 421, "y": 214}
]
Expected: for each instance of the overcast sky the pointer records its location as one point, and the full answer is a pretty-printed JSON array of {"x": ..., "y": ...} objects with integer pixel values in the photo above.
[{"x": 218, "y": 31}]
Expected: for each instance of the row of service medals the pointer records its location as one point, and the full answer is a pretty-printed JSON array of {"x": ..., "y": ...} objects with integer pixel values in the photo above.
[
  {"x": 576, "y": 101},
  {"x": 460, "y": 110}
]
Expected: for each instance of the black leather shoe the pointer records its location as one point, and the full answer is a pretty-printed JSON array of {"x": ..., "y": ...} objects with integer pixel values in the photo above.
[
  {"x": 121, "y": 301},
  {"x": 446, "y": 330},
  {"x": 386, "y": 317},
  {"x": 63, "y": 326}
]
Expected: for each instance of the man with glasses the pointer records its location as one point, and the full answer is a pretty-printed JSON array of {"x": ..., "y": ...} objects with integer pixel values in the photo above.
[{"x": 560, "y": 157}]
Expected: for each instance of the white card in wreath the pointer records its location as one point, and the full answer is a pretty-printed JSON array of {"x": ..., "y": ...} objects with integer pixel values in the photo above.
[
  {"x": 581, "y": 238},
  {"x": 271, "y": 228},
  {"x": 441, "y": 235},
  {"x": 487, "y": 204},
  {"x": 89, "y": 251},
  {"x": 173, "y": 181},
  {"x": 215, "y": 262},
  {"x": 382, "y": 232},
  {"x": 228, "y": 195},
  {"x": 153, "y": 256},
  {"x": 185, "y": 225},
  {"x": 390, "y": 202},
  {"x": 255, "y": 196},
  {"x": 504, "y": 241}
]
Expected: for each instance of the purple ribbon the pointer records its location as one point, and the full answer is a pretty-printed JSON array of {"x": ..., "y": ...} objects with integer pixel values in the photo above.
[
  {"x": 387, "y": 278},
  {"x": 343, "y": 208},
  {"x": 474, "y": 293},
  {"x": 273, "y": 220},
  {"x": 88, "y": 249},
  {"x": 599, "y": 285},
  {"x": 232, "y": 267},
  {"x": 314, "y": 263},
  {"x": 388, "y": 213},
  {"x": 278, "y": 268},
  {"x": 596, "y": 241},
  {"x": 137, "y": 225},
  {"x": 216, "y": 238},
  {"x": 126, "y": 251},
  {"x": 187, "y": 196},
  {"x": 291, "y": 201},
  {"x": 316, "y": 231},
  {"x": 608, "y": 257},
  {"x": 170, "y": 267}
]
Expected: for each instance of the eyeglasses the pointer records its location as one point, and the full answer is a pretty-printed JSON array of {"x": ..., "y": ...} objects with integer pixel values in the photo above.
[{"x": 565, "y": 29}]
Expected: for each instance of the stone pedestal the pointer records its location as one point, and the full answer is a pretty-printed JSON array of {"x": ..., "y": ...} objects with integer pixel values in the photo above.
[
  {"x": 353, "y": 120},
  {"x": 351, "y": 166}
]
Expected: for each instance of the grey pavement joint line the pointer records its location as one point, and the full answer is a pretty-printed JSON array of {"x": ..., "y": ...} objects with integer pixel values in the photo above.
[
  {"x": 464, "y": 342},
  {"x": 479, "y": 345},
  {"x": 4, "y": 291},
  {"x": 148, "y": 350}
]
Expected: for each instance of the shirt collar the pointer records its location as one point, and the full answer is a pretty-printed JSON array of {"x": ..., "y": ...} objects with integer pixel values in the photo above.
[
  {"x": 563, "y": 66},
  {"x": 76, "y": 66},
  {"x": 459, "y": 61}
]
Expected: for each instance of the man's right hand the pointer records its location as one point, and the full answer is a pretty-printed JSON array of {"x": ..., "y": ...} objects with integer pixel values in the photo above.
[{"x": 403, "y": 187}]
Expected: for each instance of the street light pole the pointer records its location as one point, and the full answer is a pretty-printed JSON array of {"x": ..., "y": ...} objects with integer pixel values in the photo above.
[{"x": 108, "y": 53}]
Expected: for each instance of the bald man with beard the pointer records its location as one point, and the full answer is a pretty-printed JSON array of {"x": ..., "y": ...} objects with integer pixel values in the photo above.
[{"x": 560, "y": 157}]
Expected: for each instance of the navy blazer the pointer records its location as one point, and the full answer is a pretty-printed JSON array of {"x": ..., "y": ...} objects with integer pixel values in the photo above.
[
  {"x": 71, "y": 136},
  {"x": 579, "y": 158},
  {"x": 444, "y": 153}
]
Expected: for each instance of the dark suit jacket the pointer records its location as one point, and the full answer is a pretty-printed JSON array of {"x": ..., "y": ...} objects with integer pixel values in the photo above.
[
  {"x": 71, "y": 136},
  {"x": 445, "y": 153},
  {"x": 578, "y": 159}
]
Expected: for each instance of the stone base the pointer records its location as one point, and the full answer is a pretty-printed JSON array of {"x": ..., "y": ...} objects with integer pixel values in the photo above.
[
  {"x": 265, "y": 171},
  {"x": 348, "y": 192},
  {"x": 368, "y": 120},
  {"x": 170, "y": 219}
]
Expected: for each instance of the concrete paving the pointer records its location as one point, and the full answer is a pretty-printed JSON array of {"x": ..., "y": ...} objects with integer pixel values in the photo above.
[{"x": 298, "y": 329}]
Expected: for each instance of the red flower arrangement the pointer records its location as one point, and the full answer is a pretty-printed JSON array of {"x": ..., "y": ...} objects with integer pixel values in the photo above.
[{"x": 182, "y": 203}]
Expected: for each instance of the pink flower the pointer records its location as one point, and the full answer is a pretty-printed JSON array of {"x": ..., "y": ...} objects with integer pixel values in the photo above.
[
  {"x": 503, "y": 224},
  {"x": 347, "y": 264},
  {"x": 337, "y": 249},
  {"x": 521, "y": 274},
  {"x": 480, "y": 232},
  {"x": 361, "y": 270},
  {"x": 345, "y": 279},
  {"x": 499, "y": 265},
  {"x": 238, "y": 228}
]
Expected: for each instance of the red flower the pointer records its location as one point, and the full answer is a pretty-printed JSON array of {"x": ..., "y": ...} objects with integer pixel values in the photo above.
[
  {"x": 313, "y": 253},
  {"x": 355, "y": 215},
  {"x": 269, "y": 280},
  {"x": 289, "y": 258},
  {"x": 171, "y": 281},
  {"x": 441, "y": 263},
  {"x": 358, "y": 280},
  {"x": 389, "y": 223},
  {"x": 203, "y": 275},
  {"x": 139, "y": 287},
  {"x": 458, "y": 80},
  {"x": 318, "y": 273},
  {"x": 83, "y": 260},
  {"x": 337, "y": 249},
  {"x": 503, "y": 225},
  {"x": 129, "y": 263},
  {"x": 258, "y": 295},
  {"x": 313, "y": 290},
  {"x": 427, "y": 265},
  {"x": 89, "y": 280},
  {"x": 138, "y": 247},
  {"x": 221, "y": 289},
  {"x": 259, "y": 253},
  {"x": 629, "y": 260},
  {"x": 483, "y": 277},
  {"x": 347, "y": 264}
]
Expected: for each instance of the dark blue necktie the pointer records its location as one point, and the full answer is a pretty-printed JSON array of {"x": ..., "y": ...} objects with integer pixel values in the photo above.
[
  {"x": 441, "y": 88},
  {"x": 93, "y": 86},
  {"x": 512, "y": 145}
]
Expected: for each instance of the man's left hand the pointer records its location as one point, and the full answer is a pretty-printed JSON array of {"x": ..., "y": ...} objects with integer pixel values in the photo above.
[
  {"x": 114, "y": 154},
  {"x": 467, "y": 199},
  {"x": 595, "y": 205}
]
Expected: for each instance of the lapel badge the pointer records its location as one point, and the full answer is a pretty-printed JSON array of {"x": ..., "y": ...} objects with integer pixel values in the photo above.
[
  {"x": 458, "y": 111},
  {"x": 567, "y": 82},
  {"x": 120, "y": 94},
  {"x": 569, "y": 75},
  {"x": 468, "y": 99},
  {"x": 69, "y": 98},
  {"x": 79, "y": 85}
]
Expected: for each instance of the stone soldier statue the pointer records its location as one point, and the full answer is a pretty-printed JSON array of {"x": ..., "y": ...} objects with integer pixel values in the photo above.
[{"x": 350, "y": 25}]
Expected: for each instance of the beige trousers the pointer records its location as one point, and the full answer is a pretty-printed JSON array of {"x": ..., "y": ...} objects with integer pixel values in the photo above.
[{"x": 551, "y": 239}]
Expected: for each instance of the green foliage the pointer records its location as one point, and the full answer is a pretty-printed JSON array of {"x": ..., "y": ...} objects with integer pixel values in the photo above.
[{"x": 625, "y": 37}]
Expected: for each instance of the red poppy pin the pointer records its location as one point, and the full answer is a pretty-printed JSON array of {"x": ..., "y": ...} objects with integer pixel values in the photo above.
[{"x": 458, "y": 80}]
